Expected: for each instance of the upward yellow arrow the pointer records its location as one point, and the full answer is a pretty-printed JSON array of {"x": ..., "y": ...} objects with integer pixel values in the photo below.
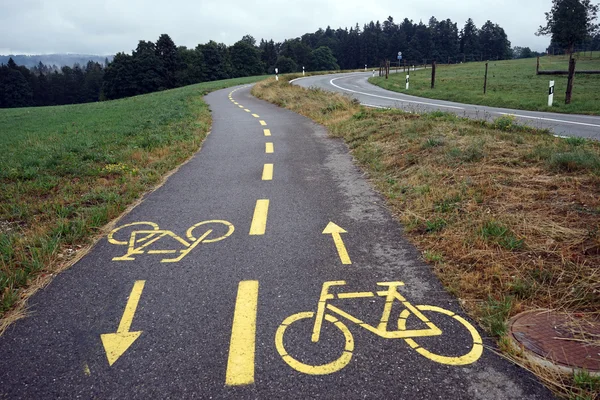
[
  {"x": 334, "y": 230},
  {"x": 115, "y": 344}
]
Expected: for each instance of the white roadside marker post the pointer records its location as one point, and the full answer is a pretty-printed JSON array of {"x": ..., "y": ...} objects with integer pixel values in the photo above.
[
  {"x": 407, "y": 81},
  {"x": 373, "y": 73},
  {"x": 551, "y": 94},
  {"x": 365, "y": 67},
  {"x": 302, "y": 71},
  {"x": 276, "y": 74}
]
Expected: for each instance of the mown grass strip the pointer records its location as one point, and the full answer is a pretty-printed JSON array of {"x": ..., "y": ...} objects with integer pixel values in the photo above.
[
  {"x": 508, "y": 223},
  {"x": 66, "y": 171},
  {"x": 511, "y": 84}
]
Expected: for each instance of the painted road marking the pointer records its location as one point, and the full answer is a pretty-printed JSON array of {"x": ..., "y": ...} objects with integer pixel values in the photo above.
[
  {"x": 335, "y": 231},
  {"x": 115, "y": 344},
  {"x": 390, "y": 98},
  {"x": 255, "y": 116},
  {"x": 327, "y": 313},
  {"x": 267, "y": 132},
  {"x": 245, "y": 109},
  {"x": 141, "y": 238},
  {"x": 236, "y": 103},
  {"x": 259, "y": 220},
  {"x": 263, "y": 123},
  {"x": 552, "y": 120},
  {"x": 240, "y": 364},
  {"x": 267, "y": 172},
  {"x": 269, "y": 147}
]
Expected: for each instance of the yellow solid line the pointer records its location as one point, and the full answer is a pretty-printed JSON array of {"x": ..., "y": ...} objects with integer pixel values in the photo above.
[
  {"x": 263, "y": 123},
  {"x": 267, "y": 132},
  {"x": 240, "y": 364},
  {"x": 269, "y": 148},
  {"x": 255, "y": 116},
  {"x": 259, "y": 220},
  {"x": 132, "y": 304},
  {"x": 267, "y": 172}
]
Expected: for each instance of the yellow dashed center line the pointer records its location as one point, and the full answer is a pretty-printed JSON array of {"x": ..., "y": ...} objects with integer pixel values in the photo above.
[
  {"x": 245, "y": 109},
  {"x": 263, "y": 123},
  {"x": 255, "y": 116},
  {"x": 241, "y": 106},
  {"x": 267, "y": 132},
  {"x": 267, "y": 172},
  {"x": 240, "y": 364},
  {"x": 259, "y": 220},
  {"x": 269, "y": 147}
]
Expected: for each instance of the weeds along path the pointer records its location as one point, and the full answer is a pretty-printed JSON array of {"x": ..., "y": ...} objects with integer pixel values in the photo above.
[{"x": 508, "y": 216}]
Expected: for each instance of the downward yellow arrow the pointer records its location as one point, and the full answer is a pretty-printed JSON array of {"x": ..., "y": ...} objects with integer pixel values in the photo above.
[
  {"x": 334, "y": 230},
  {"x": 115, "y": 344}
]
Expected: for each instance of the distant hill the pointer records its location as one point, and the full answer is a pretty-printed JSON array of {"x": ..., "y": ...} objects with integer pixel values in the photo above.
[{"x": 59, "y": 60}]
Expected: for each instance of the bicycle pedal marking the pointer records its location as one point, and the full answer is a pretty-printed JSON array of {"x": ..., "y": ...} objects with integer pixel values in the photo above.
[
  {"x": 328, "y": 313},
  {"x": 143, "y": 241}
]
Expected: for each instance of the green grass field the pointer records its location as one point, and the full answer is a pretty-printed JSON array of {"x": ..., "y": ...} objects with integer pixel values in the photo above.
[
  {"x": 66, "y": 171},
  {"x": 511, "y": 84}
]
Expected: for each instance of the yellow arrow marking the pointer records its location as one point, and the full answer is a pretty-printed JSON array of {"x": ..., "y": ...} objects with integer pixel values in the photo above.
[
  {"x": 334, "y": 230},
  {"x": 240, "y": 364},
  {"x": 267, "y": 132},
  {"x": 115, "y": 344}
]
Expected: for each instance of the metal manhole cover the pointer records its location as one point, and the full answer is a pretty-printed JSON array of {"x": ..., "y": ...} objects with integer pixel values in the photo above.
[{"x": 563, "y": 339}]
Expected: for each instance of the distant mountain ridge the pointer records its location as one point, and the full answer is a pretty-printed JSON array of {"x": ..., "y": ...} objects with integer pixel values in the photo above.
[{"x": 59, "y": 60}]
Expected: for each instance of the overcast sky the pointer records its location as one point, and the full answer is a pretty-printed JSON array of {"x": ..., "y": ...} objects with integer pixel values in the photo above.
[{"x": 109, "y": 26}]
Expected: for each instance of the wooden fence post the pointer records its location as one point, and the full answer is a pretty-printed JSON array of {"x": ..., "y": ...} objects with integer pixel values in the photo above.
[{"x": 485, "y": 79}]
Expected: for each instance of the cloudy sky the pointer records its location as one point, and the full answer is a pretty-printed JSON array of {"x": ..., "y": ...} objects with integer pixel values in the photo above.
[{"x": 108, "y": 26}]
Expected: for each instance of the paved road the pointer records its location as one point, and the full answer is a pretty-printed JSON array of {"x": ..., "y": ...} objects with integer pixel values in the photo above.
[
  {"x": 211, "y": 287},
  {"x": 356, "y": 85}
]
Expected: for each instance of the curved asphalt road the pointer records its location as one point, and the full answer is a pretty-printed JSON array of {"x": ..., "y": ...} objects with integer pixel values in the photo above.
[
  {"x": 123, "y": 323},
  {"x": 356, "y": 85}
]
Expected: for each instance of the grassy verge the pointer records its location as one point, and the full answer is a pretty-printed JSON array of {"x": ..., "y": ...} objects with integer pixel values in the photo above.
[
  {"x": 508, "y": 216},
  {"x": 67, "y": 171},
  {"x": 511, "y": 84}
]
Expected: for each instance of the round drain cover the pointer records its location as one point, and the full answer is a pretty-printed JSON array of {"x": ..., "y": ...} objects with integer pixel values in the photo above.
[{"x": 562, "y": 339}]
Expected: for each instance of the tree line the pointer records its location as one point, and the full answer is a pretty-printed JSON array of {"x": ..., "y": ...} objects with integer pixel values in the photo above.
[{"x": 160, "y": 65}]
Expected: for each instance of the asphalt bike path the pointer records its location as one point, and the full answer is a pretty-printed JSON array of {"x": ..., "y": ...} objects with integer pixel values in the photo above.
[
  {"x": 357, "y": 86},
  {"x": 265, "y": 267}
]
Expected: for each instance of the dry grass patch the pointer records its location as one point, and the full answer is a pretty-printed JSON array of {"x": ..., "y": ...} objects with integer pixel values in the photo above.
[{"x": 509, "y": 216}]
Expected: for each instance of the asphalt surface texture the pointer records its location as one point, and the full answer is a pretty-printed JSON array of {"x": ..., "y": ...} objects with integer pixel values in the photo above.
[
  {"x": 357, "y": 86},
  {"x": 207, "y": 326}
]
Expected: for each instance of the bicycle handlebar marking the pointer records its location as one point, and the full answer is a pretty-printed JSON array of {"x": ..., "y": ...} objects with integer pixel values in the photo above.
[{"x": 140, "y": 241}]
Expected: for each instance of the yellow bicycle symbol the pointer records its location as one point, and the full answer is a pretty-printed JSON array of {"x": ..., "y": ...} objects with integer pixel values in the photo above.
[
  {"x": 326, "y": 311},
  {"x": 140, "y": 241}
]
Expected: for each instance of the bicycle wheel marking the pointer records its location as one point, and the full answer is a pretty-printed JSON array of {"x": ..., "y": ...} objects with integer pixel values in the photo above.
[
  {"x": 324, "y": 369},
  {"x": 469, "y": 358},
  {"x": 145, "y": 241}
]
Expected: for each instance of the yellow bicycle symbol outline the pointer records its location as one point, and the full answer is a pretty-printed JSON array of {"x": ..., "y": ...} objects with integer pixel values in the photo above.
[
  {"x": 391, "y": 294},
  {"x": 147, "y": 237}
]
